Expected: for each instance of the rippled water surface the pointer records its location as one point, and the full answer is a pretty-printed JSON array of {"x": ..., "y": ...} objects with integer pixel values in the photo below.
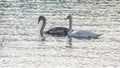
[{"x": 21, "y": 45}]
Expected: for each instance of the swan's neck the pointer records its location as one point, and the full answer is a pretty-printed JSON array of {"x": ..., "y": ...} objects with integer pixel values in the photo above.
[
  {"x": 70, "y": 24},
  {"x": 42, "y": 28}
]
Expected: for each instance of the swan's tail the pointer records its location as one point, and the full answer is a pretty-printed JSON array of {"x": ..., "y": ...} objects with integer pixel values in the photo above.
[{"x": 99, "y": 35}]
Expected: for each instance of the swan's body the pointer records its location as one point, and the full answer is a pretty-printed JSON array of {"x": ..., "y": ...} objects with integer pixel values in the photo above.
[
  {"x": 56, "y": 31},
  {"x": 81, "y": 33}
]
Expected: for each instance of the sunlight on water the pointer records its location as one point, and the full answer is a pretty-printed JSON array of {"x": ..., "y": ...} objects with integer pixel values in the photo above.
[{"x": 21, "y": 45}]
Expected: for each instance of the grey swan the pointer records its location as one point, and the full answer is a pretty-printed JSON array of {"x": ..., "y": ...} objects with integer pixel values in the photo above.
[
  {"x": 56, "y": 31},
  {"x": 79, "y": 34}
]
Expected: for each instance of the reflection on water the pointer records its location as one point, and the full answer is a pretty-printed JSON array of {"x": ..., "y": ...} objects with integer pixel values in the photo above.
[{"x": 23, "y": 46}]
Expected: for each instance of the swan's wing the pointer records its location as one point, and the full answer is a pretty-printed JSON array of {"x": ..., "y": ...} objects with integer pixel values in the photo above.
[
  {"x": 84, "y": 34},
  {"x": 57, "y": 31}
]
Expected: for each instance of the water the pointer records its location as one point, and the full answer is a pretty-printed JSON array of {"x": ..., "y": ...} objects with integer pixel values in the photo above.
[{"x": 21, "y": 45}]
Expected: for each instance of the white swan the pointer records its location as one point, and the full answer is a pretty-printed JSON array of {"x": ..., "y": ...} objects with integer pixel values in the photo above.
[
  {"x": 79, "y": 34},
  {"x": 83, "y": 34}
]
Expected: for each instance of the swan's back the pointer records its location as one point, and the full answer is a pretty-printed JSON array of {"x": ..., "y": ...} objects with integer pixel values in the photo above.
[
  {"x": 84, "y": 34},
  {"x": 58, "y": 31}
]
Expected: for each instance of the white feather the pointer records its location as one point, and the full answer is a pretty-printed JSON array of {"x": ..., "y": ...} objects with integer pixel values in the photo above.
[{"x": 83, "y": 34}]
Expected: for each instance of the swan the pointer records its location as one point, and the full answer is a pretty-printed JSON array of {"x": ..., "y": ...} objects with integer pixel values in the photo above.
[
  {"x": 56, "y": 31},
  {"x": 79, "y": 34}
]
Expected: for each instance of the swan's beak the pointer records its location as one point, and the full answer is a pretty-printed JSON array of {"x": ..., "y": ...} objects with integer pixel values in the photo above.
[{"x": 39, "y": 19}]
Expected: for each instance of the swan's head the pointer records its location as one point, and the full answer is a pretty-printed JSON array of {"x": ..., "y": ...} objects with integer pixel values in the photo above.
[
  {"x": 41, "y": 18},
  {"x": 69, "y": 17}
]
